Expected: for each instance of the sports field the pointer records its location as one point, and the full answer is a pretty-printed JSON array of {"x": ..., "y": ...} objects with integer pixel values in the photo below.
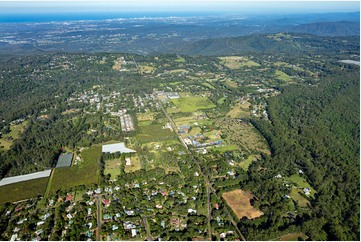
[{"x": 239, "y": 201}]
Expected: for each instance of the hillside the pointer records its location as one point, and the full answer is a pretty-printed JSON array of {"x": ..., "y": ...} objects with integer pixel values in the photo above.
[
  {"x": 272, "y": 43},
  {"x": 344, "y": 28}
]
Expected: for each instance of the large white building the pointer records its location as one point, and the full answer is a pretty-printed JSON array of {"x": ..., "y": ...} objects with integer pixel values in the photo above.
[{"x": 118, "y": 147}]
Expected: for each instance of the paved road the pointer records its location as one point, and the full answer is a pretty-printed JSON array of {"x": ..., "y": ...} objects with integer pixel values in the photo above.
[
  {"x": 146, "y": 226},
  {"x": 99, "y": 219}
]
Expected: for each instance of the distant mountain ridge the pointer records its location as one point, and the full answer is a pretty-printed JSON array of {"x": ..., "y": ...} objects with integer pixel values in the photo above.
[
  {"x": 271, "y": 43},
  {"x": 342, "y": 28}
]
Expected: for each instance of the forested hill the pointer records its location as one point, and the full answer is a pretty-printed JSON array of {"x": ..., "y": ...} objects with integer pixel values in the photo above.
[
  {"x": 271, "y": 43},
  {"x": 317, "y": 129},
  {"x": 344, "y": 28}
]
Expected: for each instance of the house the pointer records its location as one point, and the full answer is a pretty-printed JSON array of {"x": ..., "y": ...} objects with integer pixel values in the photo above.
[
  {"x": 216, "y": 206},
  {"x": 278, "y": 176},
  {"x": 307, "y": 191},
  {"x": 69, "y": 216},
  {"x": 128, "y": 162},
  {"x": 114, "y": 227},
  {"x": 134, "y": 232},
  {"x": 129, "y": 212},
  {"x": 106, "y": 202},
  {"x": 69, "y": 198},
  {"x": 192, "y": 211},
  {"x": 40, "y": 223}
]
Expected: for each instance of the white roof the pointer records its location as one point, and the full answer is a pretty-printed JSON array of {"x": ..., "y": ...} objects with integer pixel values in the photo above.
[
  {"x": 15, "y": 179},
  {"x": 118, "y": 147}
]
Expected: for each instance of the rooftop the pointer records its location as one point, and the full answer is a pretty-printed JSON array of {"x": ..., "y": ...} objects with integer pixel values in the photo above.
[
  {"x": 64, "y": 160},
  {"x": 118, "y": 147}
]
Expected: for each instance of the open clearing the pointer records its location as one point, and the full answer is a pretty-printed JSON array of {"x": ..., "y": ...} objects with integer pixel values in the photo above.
[
  {"x": 246, "y": 163},
  {"x": 85, "y": 173},
  {"x": 239, "y": 110},
  {"x": 154, "y": 132},
  {"x": 244, "y": 135},
  {"x": 292, "y": 237},
  {"x": 301, "y": 183},
  {"x": 23, "y": 190},
  {"x": 239, "y": 201},
  {"x": 236, "y": 62},
  {"x": 147, "y": 69},
  {"x": 280, "y": 75},
  {"x": 135, "y": 166},
  {"x": 149, "y": 116},
  {"x": 232, "y": 83},
  {"x": 16, "y": 130},
  {"x": 190, "y": 103},
  {"x": 112, "y": 167},
  {"x": 297, "y": 197}
]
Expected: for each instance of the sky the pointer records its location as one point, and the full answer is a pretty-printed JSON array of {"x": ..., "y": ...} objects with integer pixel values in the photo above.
[{"x": 240, "y": 6}]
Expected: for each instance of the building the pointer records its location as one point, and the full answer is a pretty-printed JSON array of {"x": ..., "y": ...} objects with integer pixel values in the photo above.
[
  {"x": 64, "y": 160},
  {"x": 118, "y": 147}
]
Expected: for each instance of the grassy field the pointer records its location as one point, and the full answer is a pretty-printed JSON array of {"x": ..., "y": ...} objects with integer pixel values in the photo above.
[
  {"x": 145, "y": 116},
  {"x": 173, "y": 110},
  {"x": 192, "y": 103},
  {"x": 296, "y": 196},
  {"x": 85, "y": 173},
  {"x": 136, "y": 165},
  {"x": 246, "y": 163},
  {"x": 147, "y": 69},
  {"x": 292, "y": 237},
  {"x": 244, "y": 135},
  {"x": 112, "y": 167},
  {"x": 16, "y": 131},
  {"x": 280, "y": 75},
  {"x": 236, "y": 62},
  {"x": 301, "y": 183},
  {"x": 23, "y": 190},
  {"x": 154, "y": 132},
  {"x": 180, "y": 60},
  {"x": 232, "y": 83},
  {"x": 144, "y": 123},
  {"x": 207, "y": 84},
  {"x": 221, "y": 100},
  {"x": 239, "y": 201},
  {"x": 239, "y": 110},
  {"x": 225, "y": 148}
]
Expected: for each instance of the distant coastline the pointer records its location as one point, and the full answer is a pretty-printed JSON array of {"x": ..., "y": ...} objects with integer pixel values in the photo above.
[{"x": 50, "y": 17}]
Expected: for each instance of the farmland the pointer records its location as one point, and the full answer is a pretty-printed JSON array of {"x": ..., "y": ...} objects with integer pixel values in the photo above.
[
  {"x": 154, "y": 132},
  {"x": 239, "y": 201},
  {"x": 85, "y": 173},
  {"x": 190, "y": 103},
  {"x": 23, "y": 190},
  {"x": 244, "y": 135},
  {"x": 239, "y": 110}
]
